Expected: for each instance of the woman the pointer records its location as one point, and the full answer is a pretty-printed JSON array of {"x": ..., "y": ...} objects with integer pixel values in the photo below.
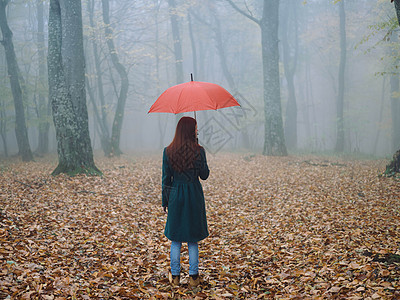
[{"x": 184, "y": 161}]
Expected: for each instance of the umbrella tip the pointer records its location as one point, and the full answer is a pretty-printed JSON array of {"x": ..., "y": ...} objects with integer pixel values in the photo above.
[{"x": 191, "y": 76}]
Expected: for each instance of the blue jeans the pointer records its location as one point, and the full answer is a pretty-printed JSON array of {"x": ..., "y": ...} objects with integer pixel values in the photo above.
[{"x": 176, "y": 258}]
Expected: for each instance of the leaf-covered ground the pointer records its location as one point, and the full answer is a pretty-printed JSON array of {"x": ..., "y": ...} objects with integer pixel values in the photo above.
[{"x": 285, "y": 228}]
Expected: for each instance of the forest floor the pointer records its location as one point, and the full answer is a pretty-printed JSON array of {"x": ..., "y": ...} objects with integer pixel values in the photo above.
[{"x": 280, "y": 227}]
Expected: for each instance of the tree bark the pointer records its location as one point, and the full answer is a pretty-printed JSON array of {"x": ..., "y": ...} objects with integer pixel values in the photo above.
[
  {"x": 342, "y": 66},
  {"x": 66, "y": 75},
  {"x": 44, "y": 107},
  {"x": 123, "y": 93},
  {"x": 21, "y": 131}
]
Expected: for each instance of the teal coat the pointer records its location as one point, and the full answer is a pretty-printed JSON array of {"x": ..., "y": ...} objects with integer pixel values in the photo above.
[{"x": 183, "y": 194}]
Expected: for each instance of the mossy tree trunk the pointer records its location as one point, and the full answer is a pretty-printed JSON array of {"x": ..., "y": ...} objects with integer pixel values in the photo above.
[{"x": 66, "y": 73}]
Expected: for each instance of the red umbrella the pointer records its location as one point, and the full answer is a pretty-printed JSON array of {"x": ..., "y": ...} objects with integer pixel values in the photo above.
[{"x": 193, "y": 96}]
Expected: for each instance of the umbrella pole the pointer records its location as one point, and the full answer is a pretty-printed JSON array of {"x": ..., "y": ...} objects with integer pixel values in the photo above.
[{"x": 195, "y": 115}]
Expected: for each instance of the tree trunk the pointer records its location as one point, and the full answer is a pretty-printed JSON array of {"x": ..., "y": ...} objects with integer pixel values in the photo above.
[
  {"x": 342, "y": 66},
  {"x": 395, "y": 109},
  {"x": 274, "y": 139},
  {"x": 44, "y": 108},
  {"x": 221, "y": 51},
  {"x": 101, "y": 118},
  {"x": 3, "y": 127},
  {"x": 227, "y": 74},
  {"x": 193, "y": 44},
  {"x": 161, "y": 122},
  {"x": 177, "y": 41},
  {"x": 394, "y": 166},
  {"x": 380, "y": 115},
  {"x": 177, "y": 45},
  {"x": 397, "y": 7},
  {"x": 274, "y": 143},
  {"x": 289, "y": 64},
  {"x": 14, "y": 74},
  {"x": 395, "y": 99},
  {"x": 66, "y": 75},
  {"x": 123, "y": 93},
  {"x": 105, "y": 142}
]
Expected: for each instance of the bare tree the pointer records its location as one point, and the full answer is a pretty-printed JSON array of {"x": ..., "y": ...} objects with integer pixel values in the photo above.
[
  {"x": 290, "y": 45},
  {"x": 101, "y": 118},
  {"x": 123, "y": 92},
  {"x": 43, "y": 109},
  {"x": 14, "y": 74},
  {"x": 274, "y": 140},
  {"x": 177, "y": 41},
  {"x": 215, "y": 26}
]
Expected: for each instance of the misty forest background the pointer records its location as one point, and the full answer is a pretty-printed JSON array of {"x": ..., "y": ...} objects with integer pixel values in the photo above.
[
  {"x": 296, "y": 208},
  {"x": 329, "y": 53}
]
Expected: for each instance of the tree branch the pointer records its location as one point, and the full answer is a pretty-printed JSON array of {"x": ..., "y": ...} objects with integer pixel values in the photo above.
[{"x": 244, "y": 13}]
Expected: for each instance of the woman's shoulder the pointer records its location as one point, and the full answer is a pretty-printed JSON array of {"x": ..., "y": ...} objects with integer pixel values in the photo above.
[
  {"x": 165, "y": 155},
  {"x": 202, "y": 150}
]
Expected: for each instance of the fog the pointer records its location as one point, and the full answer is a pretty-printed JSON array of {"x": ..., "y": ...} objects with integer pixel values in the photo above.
[{"x": 222, "y": 46}]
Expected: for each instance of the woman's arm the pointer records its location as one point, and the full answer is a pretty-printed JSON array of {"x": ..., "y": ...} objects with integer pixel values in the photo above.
[
  {"x": 166, "y": 180},
  {"x": 203, "y": 167}
]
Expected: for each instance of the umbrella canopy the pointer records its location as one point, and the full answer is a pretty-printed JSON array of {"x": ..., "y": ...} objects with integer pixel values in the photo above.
[{"x": 193, "y": 96}]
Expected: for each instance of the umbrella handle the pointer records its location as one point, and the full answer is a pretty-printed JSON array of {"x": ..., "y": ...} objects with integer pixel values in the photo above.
[{"x": 191, "y": 78}]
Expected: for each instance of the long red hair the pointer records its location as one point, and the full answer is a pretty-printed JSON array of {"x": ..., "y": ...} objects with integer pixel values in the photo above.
[{"x": 184, "y": 148}]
